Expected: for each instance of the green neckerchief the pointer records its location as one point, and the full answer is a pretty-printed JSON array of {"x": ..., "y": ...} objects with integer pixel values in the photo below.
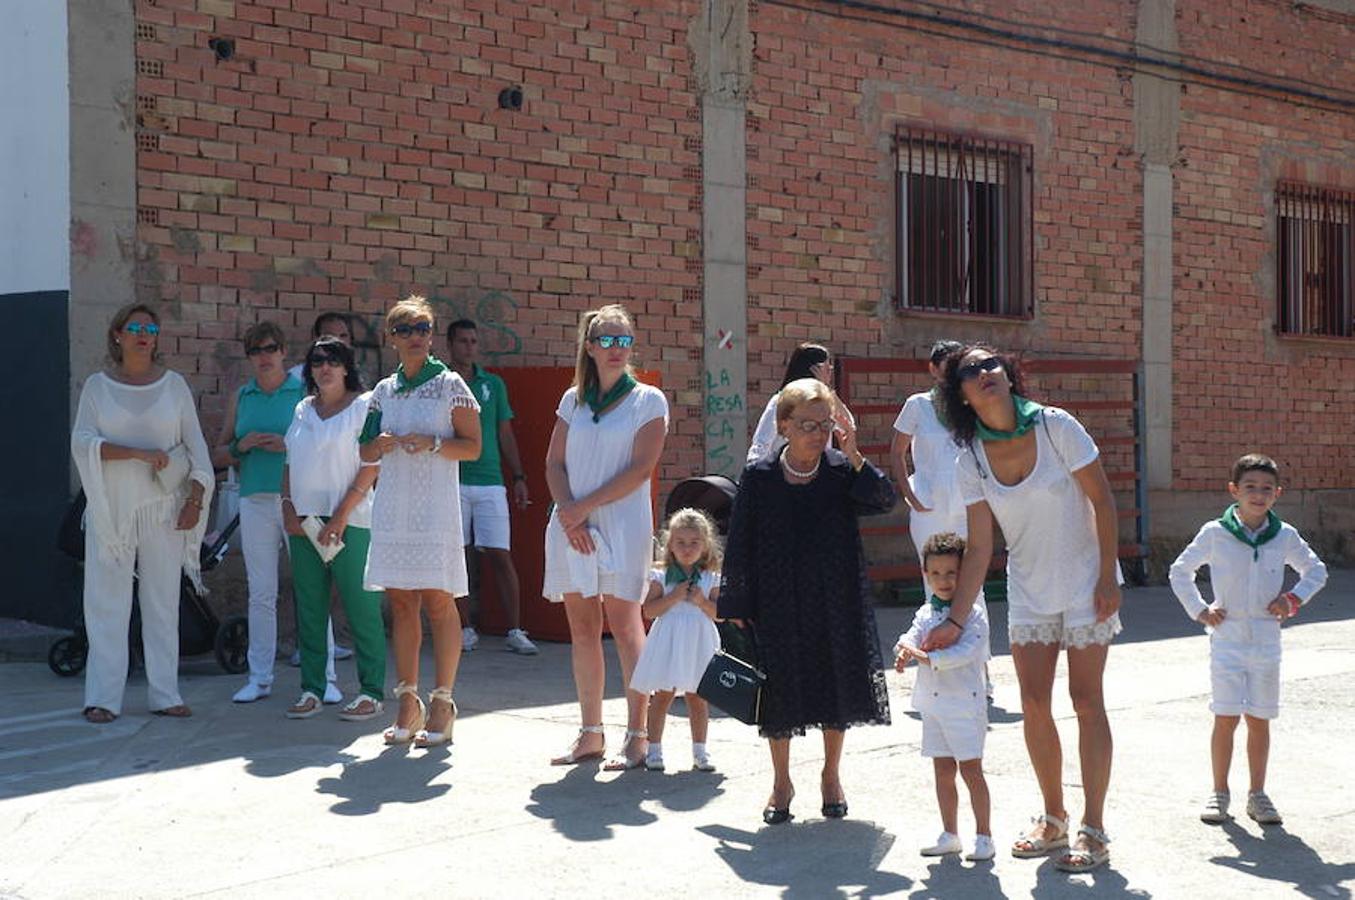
[
  {"x": 1027, "y": 412},
  {"x": 939, "y": 407},
  {"x": 674, "y": 574},
  {"x": 938, "y": 604},
  {"x": 432, "y": 368},
  {"x": 1233, "y": 525},
  {"x": 619, "y": 390}
]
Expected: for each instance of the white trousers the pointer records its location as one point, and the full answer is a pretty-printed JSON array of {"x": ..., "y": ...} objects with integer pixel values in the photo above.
[
  {"x": 108, "y": 611},
  {"x": 261, "y": 536}
]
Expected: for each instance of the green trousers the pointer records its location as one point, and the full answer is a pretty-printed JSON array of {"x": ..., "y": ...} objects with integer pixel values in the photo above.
[{"x": 311, "y": 580}]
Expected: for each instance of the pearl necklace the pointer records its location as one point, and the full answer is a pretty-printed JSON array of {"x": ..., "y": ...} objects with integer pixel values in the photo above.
[{"x": 785, "y": 464}]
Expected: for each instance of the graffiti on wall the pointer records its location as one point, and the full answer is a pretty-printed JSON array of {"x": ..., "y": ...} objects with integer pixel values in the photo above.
[{"x": 726, "y": 416}]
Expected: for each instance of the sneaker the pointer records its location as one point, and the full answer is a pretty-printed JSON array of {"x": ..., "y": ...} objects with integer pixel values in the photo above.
[
  {"x": 1215, "y": 808},
  {"x": 295, "y": 659},
  {"x": 342, "y": 652},
  {"x": 333, "y": 694},
  {"x": 983, "y": 849},
  {"x": 701, "y": 761},
  {"x": 517, "y": 642},
  {"x": 252, "y": 691},
  {"x": 654, "y": 759},
  {"x": 945, "y": 845},
  {"x": 470, "y": 639},
  {"x": 1262, "y": 810}
]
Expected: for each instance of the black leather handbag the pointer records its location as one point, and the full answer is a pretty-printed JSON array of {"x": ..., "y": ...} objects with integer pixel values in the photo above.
[{"x": 730, "y": 683}]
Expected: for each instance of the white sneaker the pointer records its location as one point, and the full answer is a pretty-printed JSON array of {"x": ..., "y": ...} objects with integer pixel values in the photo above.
[
  {"x": 333, "y": 694},
  {"x": 1215, "y": 809},
  {"x": 342, "y": 652},
  {"x": 252, "y": 691},
  {"x": 654, "y": 759},
  {"x": 1262, "y": 810},
  {"x": 983, "y": 848},
  {"x": 517, "y": 642},
  {"x": 295, "y": 659},
  {"x": 701, "y": 761},
  {"x": 470, "y": 639},
  {"x": 945, "y": 845}
]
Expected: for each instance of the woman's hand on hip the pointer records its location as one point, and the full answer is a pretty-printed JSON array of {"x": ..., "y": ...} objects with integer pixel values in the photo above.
[
  {"x": 1106, "y": 599},
  {"x": 941, "y": 637}
]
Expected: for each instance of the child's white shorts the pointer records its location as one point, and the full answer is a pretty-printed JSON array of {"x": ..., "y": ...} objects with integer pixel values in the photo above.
[
  {"x": 959, "y": 735},
  {"x": 1245, "y": 679}
]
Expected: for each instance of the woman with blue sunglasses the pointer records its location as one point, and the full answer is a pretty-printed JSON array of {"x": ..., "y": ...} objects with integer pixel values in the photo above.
[{"x": 147, "y": 475}]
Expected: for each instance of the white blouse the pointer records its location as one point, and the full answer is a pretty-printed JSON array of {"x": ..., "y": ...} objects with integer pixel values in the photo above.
[
  {"x": 323, "y": 460},
  {"x": 935, "y": 453}
]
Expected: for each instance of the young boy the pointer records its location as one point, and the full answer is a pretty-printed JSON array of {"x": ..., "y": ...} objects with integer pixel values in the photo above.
[
  {"x": 951, "y": 694},
  {"x": 1246, "y": 551}
]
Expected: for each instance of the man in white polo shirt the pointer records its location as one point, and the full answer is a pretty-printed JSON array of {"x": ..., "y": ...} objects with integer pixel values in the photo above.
[{"x": 484, "y": 498}]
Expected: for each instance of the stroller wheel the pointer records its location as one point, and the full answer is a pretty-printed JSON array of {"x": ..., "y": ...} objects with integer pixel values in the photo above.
[
  {"x": 232, "y": 645},
  {"x": 67, "y": 656}
]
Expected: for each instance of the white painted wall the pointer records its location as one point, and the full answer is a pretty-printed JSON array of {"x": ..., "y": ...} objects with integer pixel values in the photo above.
[{"x": 35, "y": 196}]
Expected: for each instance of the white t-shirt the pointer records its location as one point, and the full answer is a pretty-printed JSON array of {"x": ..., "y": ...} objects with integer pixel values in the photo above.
[
  {"x": 1053, "y": 555},
  {"x": 766, "y": 439},
  {"x": 935, "y": 453},
  {"x": 323, "y": 460}
]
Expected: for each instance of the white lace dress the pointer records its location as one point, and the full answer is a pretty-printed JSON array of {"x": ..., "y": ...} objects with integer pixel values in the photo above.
[{"x": 416, "y": 513}]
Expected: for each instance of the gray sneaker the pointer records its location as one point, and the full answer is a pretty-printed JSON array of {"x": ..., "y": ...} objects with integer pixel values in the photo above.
[
  {"x": 517, "y": 642},
  {"x": 470, "y": 639},
  {"x": 1215, "y": 810},
  {"x": 1262, "y": 810}
]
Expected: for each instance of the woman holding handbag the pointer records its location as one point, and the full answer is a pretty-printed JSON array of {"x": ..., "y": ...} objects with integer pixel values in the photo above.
[
  {"x": 147, "y": 474},
  {"x": 794, "y": 567}
]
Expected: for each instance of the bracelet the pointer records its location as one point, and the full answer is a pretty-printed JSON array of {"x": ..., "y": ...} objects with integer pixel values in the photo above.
[
  {"x": 519, "y": 477},
  {"x": 955, "y": 623},
  {"x": 437, "y": 444},
  {"x": 1294, "y": 603}
]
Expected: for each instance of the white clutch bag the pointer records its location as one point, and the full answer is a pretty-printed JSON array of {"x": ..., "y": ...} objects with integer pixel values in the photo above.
[{"x": 312, "y": 526}]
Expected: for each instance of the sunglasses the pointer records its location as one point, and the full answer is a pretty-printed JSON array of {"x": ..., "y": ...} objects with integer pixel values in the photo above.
[
  {"x": 811, "y": 426},
  {"x": 262, "y": 350},
  {"x": 608, "y": 341},
  {"x": 137, "y": 328},
  {"x": 404, "y": 330},
  {"x": 320, "y": 359},
  {"x": 970, "y": 371}
]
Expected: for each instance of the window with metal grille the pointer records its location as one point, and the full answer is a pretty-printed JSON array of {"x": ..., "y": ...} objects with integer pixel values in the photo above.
[
  {"x": 1315, "y": 253},
  {"x": 963, "y": 233}
]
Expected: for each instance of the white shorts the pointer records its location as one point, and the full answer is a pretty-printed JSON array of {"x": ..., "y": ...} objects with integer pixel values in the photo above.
[
  {"x": 1245, "y": 679},
  {"x": 958, "y": 735},
  {"x": 484, "y": 516},
  {"x": 1075, "y": 628}
]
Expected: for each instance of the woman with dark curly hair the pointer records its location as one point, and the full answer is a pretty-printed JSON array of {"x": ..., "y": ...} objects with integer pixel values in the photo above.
[{"x": 1036, "y": 472}]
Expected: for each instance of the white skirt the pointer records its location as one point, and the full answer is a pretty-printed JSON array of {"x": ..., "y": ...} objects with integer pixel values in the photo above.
[{"x": 677, "y": 651}]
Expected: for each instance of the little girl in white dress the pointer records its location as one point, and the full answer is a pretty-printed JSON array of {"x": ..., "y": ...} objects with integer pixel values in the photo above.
[{"x": 681, "y": 596}]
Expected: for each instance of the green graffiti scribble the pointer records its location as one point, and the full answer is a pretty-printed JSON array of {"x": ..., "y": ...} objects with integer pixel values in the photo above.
[{"x": 490, "y": 312}]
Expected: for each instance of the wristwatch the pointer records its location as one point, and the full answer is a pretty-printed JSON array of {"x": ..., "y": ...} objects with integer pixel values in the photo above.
[{"x": 437, "y": 444}]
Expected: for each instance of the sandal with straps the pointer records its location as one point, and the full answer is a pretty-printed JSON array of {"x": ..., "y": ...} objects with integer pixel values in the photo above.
[
  {"x": 574, "y": 756},
  {"x": 624, "y": 763},
  {"x": 397, "y": 734},
  {"x": 1084, "y": 859},
  {"x": 1031, "y": 846},
  {"x": 426, "y": 738}
]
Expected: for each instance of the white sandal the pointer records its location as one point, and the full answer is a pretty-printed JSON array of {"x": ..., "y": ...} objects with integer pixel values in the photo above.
[
  {"x": 403, "y": 735},
  {"x": 1084, "y": 859},
  {"x": 426, "y": 738},
  {"x": 306, "y": 705},
  {"x": 624, "y": 763},
  {"x": 574, "y": 756},
  {"x": 361, "y": 708},
  {"x": 1030, "y": 846}
]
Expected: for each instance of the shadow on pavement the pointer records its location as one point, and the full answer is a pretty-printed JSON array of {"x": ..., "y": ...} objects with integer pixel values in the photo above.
[
  {"x": 364, "y": 786},
  {"x": 582, "y": 808},
  {"x": 817, "y": 859},
  {"x": 1278, "y": 855},
  {"x": 950, "y": 877},
  {"x": 1104, "y": 882}
]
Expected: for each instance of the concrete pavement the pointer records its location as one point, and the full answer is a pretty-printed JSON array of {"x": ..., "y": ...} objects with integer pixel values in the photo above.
[{"x": 239, "y": 801}]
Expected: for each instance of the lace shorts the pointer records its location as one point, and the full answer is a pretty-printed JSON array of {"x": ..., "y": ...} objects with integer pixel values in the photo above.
[{"x": 1068, "y": 629}]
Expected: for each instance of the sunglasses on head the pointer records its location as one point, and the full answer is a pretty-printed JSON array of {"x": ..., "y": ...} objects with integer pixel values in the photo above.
[
  {"x": 972, "y": 370},
  {"x": 262, "y": 350},
  {"x": 316, "y": 360},
  {"x": 608, "y": 341},
  {"x": 138, "y": 328},
  {"x": 404, "y": 329}
]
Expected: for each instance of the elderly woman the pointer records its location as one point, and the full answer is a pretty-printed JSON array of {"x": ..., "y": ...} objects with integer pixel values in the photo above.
[
  {"x": 795, "y": 569},
  {"x": 806, "y": 361},
  {"x": 257, "y": 416},
  {"x": 147, "y": 474},
  {"x": 421, "y": 422},
  {"x": 326, "y": 481},
  {"x": 608, "y": 437},
  {"x": 1036, "y": 473}
]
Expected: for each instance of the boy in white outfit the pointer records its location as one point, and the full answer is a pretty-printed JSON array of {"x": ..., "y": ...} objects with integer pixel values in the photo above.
[
  {"x": 951, "y": 694},
  {"x": 1246, "y": 550}
]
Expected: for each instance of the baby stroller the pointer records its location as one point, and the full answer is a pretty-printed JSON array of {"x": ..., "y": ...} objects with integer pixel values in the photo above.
[
  {"x": 200, "y": 630},
  {"x": 712, "y": 494}
]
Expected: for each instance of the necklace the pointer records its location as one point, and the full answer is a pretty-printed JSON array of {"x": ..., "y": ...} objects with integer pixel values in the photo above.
[{"x": 785, "y": 464}]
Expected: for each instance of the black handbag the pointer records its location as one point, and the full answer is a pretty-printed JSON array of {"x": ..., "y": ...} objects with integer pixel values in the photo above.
[
  {"x": 70, "y": 537},
  {"x": 731, "y": 684}
]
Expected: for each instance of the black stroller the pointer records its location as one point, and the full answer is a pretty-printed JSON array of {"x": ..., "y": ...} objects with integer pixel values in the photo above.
[
  {"x": 712, "y": 494},
  {"x": 200, "y": 630}
]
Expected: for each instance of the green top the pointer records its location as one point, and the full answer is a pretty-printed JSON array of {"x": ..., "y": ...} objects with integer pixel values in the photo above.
[
  {"x": 492, "y": 393},
  {"x": 258, "y": 410}
]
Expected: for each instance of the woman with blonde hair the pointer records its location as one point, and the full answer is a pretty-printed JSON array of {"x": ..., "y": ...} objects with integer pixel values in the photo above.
[
  {"x": 147, "y": 475},
  {"x": 608, "y": 437},
  {"x": 421, "y": 422}
]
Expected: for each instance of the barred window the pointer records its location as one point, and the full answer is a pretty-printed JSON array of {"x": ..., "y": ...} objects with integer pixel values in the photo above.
[
  {"x": 1316, "y": 247},
  {"x": 963, "y": 233}
]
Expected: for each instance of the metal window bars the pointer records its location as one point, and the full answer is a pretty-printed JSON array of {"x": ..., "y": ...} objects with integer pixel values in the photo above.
[{"x": 1315, "y": 252}]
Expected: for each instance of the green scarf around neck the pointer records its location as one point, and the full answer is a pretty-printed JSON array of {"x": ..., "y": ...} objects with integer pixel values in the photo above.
[
  {"x": 938, "y": 604},
  {"x": 1027, "y": 414},
  {"x": 620, "y": 389},
  {"x": 432, "y": 368},
  {"x": 675, "y": 574},
  {"x": 1233, "y": 525}
]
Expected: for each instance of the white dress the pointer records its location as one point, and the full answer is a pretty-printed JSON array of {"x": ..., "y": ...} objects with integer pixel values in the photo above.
[
  {"x": 766, "y": 439},
  {"x": 416, "y": 513},
  {"x": 623, "y": 531},
  {"x": 680, "y": 643},
  {"x": 935, "y": 457}
]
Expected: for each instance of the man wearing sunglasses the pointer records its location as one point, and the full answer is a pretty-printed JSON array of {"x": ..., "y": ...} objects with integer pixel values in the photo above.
[{"x": 484, "y": 498}]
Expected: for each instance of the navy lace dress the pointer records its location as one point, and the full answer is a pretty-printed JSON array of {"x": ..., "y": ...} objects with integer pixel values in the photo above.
[{"x": 794, "y": 566}]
